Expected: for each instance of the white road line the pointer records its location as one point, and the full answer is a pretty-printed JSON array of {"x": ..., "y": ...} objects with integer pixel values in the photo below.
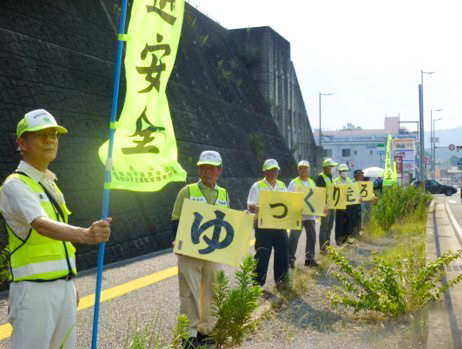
[{"x": 453, "y": 220}]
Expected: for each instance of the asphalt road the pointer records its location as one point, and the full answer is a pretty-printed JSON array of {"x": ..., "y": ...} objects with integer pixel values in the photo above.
[{"x": 157, "y": 301}]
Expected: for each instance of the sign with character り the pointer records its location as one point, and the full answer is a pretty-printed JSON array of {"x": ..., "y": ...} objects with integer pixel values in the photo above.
[
  {"x": 280, "y": 210},
  {"x": 213, "y": 233},
  {"x": 314, "y": 201},
  {"x": 336, "y": 197}
]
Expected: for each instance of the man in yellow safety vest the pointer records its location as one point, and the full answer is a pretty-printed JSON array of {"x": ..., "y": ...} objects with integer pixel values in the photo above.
[
  {"x": 267, "y": 239},
  {"x": 42, "y": 258},
  {"x": 324, "y": 180},
  {"x": 308, "y": 222},
  {"x": 197, "y": 276},
  {"x": 342, "y": 217}
]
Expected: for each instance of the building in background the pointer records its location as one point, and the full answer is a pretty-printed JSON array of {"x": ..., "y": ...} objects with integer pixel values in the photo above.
[{"x": 360, "y": 148}]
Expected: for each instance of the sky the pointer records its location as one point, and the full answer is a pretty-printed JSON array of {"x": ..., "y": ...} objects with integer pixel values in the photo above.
[{"x": 368, "y": 53}]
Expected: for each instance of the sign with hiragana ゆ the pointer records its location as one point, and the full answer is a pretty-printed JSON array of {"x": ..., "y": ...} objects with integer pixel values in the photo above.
[
  {"x": 366, "y": 190},
  {"x": 213, "y": 233},
  {"x": 280, "y": 210},
  {"x": 145, "y": 155},
  {"x": 336, "y": 197},
  {"x": 314, "y": 201}
]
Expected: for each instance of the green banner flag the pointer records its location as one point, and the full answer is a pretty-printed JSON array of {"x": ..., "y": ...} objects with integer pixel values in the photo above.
[
  {"x": 388, "y": 174},
  {"x": 145, "y": 155}
]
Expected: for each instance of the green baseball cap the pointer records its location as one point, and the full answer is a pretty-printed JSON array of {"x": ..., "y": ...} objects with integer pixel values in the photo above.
[
  {"x": 37, "y": 120},
  {"x": 329, "y": 163},
  {"x": 343, "y": 168}
]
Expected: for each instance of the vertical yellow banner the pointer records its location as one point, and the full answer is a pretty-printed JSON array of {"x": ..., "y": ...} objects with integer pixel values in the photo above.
[
  {"x": 280, "y": 210},
  {"x": 145, "y": 152},
  {"x": 213, "y": 233}
]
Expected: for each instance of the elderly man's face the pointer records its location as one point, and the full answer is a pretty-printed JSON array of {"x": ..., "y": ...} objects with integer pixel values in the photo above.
[
  {"x": 272, "y": 174},
  {"x": 39, "y": 147},
  {"x": 303, "y": 172},
  {"x": 358, "y": 177},
  {"x": 209, "y": 174}
]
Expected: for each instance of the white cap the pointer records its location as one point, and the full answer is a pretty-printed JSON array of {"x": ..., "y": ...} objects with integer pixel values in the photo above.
[
  {"x": 270, "y": 164},
  {"x": 37, "y": 120},
  {"x": 303, "y": 163},
  {"x": 210, "y": 157},
  {"x": 343, "y": 167}
]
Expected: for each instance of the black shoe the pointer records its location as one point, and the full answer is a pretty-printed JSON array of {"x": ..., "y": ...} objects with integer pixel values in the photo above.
[
  {"x": 191, "y": 343},
  {"x": 292, "y": 264},
  {"x": 204, "y": 339},
  {"x": 311, "y": 264}
]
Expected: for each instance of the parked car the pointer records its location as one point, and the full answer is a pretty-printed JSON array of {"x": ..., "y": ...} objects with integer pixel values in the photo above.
[{"x": 437, "y": 188}]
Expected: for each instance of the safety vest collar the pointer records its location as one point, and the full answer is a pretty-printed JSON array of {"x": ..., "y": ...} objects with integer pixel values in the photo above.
[{"x": 264, "y": 185}]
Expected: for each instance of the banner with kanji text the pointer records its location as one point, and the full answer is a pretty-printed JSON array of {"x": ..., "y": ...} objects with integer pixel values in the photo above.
[{"x": 145, "y": 152}]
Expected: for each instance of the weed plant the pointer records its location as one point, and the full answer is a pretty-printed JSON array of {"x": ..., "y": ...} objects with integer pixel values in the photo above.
[
  {"x": 398, "y": 203},
  {"x": 400, "y": 280},
  {"x": 233, "y": 307},
  {"x": 149, "y": 336}
]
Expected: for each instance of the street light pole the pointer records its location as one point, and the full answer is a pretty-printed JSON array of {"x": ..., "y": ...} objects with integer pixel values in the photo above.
[
  {"x": 434, "y": 147},
  {"x": 432, "y": 141},
  {"x": 421, "y": 117},
  {"x": 320, "y": 129}
]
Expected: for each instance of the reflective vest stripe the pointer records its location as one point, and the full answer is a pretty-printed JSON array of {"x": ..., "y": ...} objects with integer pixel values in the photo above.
[{"x": 43, "y": 268}]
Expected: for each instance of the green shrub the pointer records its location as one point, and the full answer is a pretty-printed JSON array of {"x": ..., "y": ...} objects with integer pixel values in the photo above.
[
  {"x": 233, "y": 307},
  {"x": 398, "y": 203},
  {"x": 390, "y": 287}
]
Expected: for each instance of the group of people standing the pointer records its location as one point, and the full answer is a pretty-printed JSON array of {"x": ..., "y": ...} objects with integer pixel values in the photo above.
[
  {"x": 43, "y": 299},
  {"x": 196, "y": 277}
]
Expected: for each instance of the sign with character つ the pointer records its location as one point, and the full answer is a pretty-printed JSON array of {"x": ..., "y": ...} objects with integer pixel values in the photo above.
[
  {"x": 280, "y": 210},
  {"x": 213, "y": 233}
]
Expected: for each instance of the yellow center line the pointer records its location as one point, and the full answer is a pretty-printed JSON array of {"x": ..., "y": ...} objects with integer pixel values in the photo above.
[{"x": 113, "y": 292}]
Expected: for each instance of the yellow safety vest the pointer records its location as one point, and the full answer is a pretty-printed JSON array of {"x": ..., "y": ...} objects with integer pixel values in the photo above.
[
  {"x": 263, "y": 185},
  {"x": 38, "y": 258},
  {"x": 339, "y": 180},
  {"x": 299, "y": 185},
  {"x": 327, "y": 180},
  {"x": 195, "y": 194}
]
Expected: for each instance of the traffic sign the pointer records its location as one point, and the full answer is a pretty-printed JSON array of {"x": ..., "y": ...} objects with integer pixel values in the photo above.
[
  {"x": 426, "y": 159},
  {"x": 452, "y": 147}
]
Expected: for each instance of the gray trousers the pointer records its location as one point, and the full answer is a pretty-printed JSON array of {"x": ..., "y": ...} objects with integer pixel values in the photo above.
[
  {"x": 310, "y": 231},
  {"x": 327, "y": 223}
]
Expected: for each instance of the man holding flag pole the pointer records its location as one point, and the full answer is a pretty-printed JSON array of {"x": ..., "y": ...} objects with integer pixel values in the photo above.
[{"x": 40, "y": 240}]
